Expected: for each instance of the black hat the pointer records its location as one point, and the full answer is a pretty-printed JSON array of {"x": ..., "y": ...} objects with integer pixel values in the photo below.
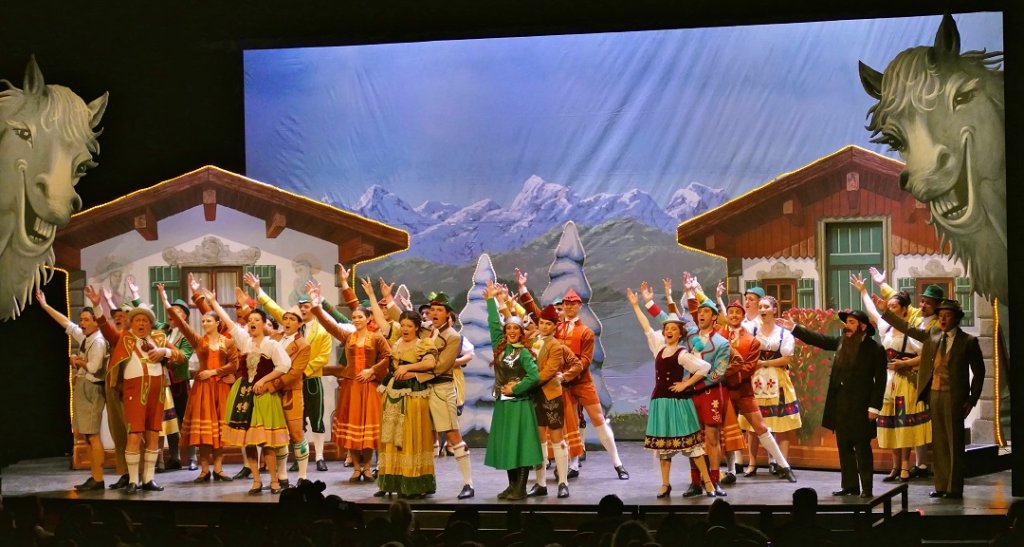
[
  {"x": 954, "y": 305},
  {"x": 859, "y": 315}
]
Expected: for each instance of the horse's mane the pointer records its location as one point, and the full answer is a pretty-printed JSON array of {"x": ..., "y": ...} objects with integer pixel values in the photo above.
[
  {"x": 913, "y": 80},
  {"x": 61, "y": 106}
]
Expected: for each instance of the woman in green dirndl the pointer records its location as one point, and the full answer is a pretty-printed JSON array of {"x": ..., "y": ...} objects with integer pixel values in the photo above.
[{"x": 513, "y": 444}]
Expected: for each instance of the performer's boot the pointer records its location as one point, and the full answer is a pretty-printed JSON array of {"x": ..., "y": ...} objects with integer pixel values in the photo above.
[
  {"x": 518, "y": 492},
  {"x": 512, "y": 474}
]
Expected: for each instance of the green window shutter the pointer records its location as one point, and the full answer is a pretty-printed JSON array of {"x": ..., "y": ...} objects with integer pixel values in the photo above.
[
  {"x": 965, "y": 294},
  {"x": 751, "y": 283},
  {"x": 805, "y": 293},
  {"x": 170, "y": 276},
  {"x": 908, "y": 284},
  {"x": 851, "y": 248},
  {"x": 268, "y": 279}
]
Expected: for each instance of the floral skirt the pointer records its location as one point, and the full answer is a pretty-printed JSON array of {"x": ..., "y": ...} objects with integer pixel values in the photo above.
[
  {"x": 782, "y": 412},
  {"x": 673, "y": 426},
  {"x": 904, "y": 421}
]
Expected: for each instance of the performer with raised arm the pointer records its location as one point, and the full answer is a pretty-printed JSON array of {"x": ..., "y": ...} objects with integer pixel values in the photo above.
[
  {"x": 319, "y": 354},
  {"x": 87, "y": 398},
  {"x": 578, "y": 384},
  {"x": 255, "y": 418},
  {"x": 513, "y": 444},
  {"x": 367, "y": 354},
  {"x": 201, "y": 423},
  {"x": 924, "y": 316},
  {"x": 136, "y": 372},
  {"x": 903, "y": 422},
  {"x": 773, "y": 387},
  {"x": 439, "y": 380},
  {"x": 672, "y": 422},
  {"x": 856, "y": 386},
  {"x": 950, "y": 380}
]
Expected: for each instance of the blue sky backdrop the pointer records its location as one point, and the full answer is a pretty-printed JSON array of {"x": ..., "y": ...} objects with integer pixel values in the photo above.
[{"x": 461, "y": 121}]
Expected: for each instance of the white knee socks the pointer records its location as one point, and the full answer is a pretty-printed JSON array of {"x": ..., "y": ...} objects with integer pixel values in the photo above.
[
  {"x": 561, "y": 451},
  {"x": 607, "y": 437},
  {"x": 769, "y": 444},
  {"x": 462, "y": 458},
  {"x": 132, "y": 459},
  {"x": 542, "y": 479},
  {"x": 149, "y": 465}
]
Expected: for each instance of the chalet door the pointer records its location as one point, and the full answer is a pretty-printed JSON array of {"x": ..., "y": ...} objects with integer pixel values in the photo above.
[{"x": 850, "y": 248}]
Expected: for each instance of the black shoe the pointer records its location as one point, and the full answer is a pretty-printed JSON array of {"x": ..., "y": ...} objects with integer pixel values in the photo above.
[
  {"x": 121, "y": 483},
  {"x": 537, "y": 490},
  {"x": 131, "y": 489},
  {"x": 623, "y": 474},
  {"x": 255, "y": 491},
  {"x": 207, "y": 477},
  {"x": 936, "y": 494},
  {"x": 920, "y": 472},
  {"x": 739, "y": 468},
  {"x": 867, "y": 495},
  {"x": 245, "y": 473},
  {"x": 729, "y": 479},
  {"x": 661, "y": 495},
  {"x": 466, "y": 492},
  {"x": 693, "y": 490},
  {"x": 302, "y": 482},
  {"x": 293, "y": 467},
  {"x": 89, "y": 485},
  {"x": 751, "y": 473},
  {"x": 321, "y": 465},
  {"x": 277, "y": 490},
  {"x": 173, "y": 464},
  {"x": 380, "y": 494},
  {"x": 893, "y": 476},
  {"x": 220, "y": 477},
  {"x": 151, "y": 487},
  {"x": 953, "y": 495},
  {"x": 773, "y": 468},
  {"x": 284, "y": 483},
  {"x": 845, "y": 492},
  {"x": 719, "y": 492},
  {"x": 787, "y": 473},
  {"x": 563, "y": 490},
  {"x": 573, "y": 473}
]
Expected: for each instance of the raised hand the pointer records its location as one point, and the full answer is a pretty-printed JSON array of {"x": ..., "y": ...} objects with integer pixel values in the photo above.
[
  {"x": 93, "y": 296},
  {"x": 109, "y": 298},
  {"x": 367, "y": 284},
  {"x": 193, "y": 283},
  {"x": 667, "y": 283},
  {"x": 490, "y": 290},
  {"x": 880, "y": 303},
  {"x": 133, "y": 288},
  {"x": 719, "y": 290},
  {"x": 646, "y": 292},
  {"x": 209, "y": 295},
  {"x": 343, "y": 274},
  {"x": 877, "y": 276},
  {"x": 163, "y": 294},
  {"x": 313, "y": 290},
  {"x": 521, "y": 278},
  {"x": 857, "y": 282},
  {"x": 386, "y": 291},
  {"x": 240, "y": 296},
  {"x": 631, "y": 296},
  {"x": 252, "y": 281},
  {"x": 786, "y": 322}
]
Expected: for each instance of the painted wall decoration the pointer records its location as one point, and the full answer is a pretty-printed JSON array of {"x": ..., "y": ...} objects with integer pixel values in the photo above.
[
  {"x": 48, "y": 138},
  {"x": 483, "y": 150}
]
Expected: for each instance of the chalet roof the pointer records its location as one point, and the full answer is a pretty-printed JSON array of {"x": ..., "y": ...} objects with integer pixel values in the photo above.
[{"x": 358, "y": 238}]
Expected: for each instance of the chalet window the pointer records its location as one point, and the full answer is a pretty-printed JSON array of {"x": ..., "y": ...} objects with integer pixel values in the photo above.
[
  {"x": 850, "y": 248},
  {"x": 220, "y": 279}
]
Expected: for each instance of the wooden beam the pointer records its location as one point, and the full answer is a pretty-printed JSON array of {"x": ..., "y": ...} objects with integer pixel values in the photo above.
[
  {"x": 852, "y": 192},
  {"x": 210, "y": 205},
  {"x": 354, "y": 250},
  {"x": 275, "y": 225},
  {"x": 145, "y": 225}
]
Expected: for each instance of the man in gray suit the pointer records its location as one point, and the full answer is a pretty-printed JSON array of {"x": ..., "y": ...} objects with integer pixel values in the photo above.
[{"x": 943, "y": 381}]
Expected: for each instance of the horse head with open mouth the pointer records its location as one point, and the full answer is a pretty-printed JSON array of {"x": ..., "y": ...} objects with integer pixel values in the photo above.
[
  {"x": 942, "y": 110},
  {"x": 47, "y": 143}
]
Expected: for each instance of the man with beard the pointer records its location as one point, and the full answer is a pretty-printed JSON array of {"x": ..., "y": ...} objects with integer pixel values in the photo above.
[
  {"x": 947, "y": 356},
  {"x": 855, "y": 389}
]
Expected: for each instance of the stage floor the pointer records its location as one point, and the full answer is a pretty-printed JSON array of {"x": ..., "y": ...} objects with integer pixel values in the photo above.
[{"x": 985, "y": 495}]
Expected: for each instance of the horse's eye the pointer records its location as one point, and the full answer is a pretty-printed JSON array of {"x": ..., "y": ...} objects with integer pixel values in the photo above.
[
  {"x": 23, "y": 133},
  {"x": 963, "y": 98},
  {"x": 84, "y": 167}
]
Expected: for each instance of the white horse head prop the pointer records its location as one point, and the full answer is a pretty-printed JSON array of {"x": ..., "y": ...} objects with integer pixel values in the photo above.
[
  {"x": 47, "y": 143},
  {"x": 942, "y": 110}
]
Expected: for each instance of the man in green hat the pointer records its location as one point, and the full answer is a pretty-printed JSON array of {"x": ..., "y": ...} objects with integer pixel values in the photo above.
[{"x": 179, "y": 376}]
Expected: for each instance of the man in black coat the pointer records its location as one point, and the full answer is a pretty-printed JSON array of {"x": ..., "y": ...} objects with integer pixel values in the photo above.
[
  {"x": 943, "y": 381},
  {"x": 856, "y": 386}
]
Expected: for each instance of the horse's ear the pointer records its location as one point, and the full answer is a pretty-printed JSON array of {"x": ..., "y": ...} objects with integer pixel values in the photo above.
[
  {"x": 947, "y": 38},
  {"x": 97, "y": 108},
  {"x": 871, "y": 79},
  {"x": 34, "y": 84}
]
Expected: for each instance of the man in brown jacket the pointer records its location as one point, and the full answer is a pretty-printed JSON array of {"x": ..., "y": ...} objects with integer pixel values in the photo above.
[{"x": 290, "y": 386}]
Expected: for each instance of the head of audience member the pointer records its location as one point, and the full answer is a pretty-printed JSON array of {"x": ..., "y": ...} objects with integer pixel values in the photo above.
[
  {"x": 610, "y": 506},
  {"x": 400, "y": 515},
  {"x": 805, "y": 504},
  {"x": 735, "y": 314},
  {"x": 631, "y": 533},
  {"x": 721, "y": 514},
  {"x": 931, "y": 297},
  {"x": 87, "y": 321}
]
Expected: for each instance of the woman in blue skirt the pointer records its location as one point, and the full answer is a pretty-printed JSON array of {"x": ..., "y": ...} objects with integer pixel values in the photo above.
[{"x": 672, "y": 423}]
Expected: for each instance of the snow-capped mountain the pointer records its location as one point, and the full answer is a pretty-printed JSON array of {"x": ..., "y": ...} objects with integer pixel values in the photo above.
[{"x": 450, "y": 234}]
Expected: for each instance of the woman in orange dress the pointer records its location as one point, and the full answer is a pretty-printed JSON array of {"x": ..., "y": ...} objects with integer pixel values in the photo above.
[
  {"x": 218, "y": 358},
  {"x": 356, "y": 425}
]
